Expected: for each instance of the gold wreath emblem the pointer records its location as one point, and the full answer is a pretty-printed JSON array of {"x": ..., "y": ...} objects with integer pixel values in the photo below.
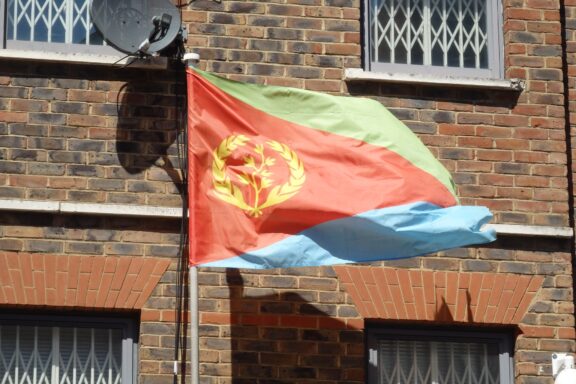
[{"x": 259, "y": 179}]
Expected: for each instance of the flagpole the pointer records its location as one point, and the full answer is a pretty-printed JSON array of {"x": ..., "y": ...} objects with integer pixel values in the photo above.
[
  {"x": 194, "y": 340},
  {"x": 191, "y": 59}
]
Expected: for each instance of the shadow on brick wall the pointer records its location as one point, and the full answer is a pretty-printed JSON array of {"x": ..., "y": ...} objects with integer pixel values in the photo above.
[
  {"x": 423, "y": 96},
  {"x": 151, "y": 116},
  {"x": 283, "y": 336}
]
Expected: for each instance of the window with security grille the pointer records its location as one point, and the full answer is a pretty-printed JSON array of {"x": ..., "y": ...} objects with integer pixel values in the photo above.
[
  {"x": 51, "y": 25},
  {"x": 436, "y": 37},
  {"x": 48, "y": 352},
  {"x": 429, "y": 357}
]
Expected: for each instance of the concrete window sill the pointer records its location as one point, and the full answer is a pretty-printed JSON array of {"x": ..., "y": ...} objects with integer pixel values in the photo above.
[
  {"x": 359, "y": 75},
  {"x": 85, "y": 58}
]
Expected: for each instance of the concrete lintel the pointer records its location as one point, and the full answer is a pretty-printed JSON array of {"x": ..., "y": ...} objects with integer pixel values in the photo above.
[
  {"x": 532, "y": 230},
  {"x": 120, "y": 210},
  {"x": 125, "y": 210},
  {"x": 29, "y": 205},
  {"x": 131, "y": 210}
]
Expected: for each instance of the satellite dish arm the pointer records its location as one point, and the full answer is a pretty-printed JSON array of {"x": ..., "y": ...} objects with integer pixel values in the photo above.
[{"x": 161, "y": 27}]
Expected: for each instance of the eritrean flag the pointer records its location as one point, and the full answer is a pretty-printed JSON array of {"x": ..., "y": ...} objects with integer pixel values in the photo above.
[{"x": 283, "y": 177}]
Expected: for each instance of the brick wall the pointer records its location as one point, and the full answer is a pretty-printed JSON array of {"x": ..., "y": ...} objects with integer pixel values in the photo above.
[
  {"x": 304, "y": 44},
  {"x": 89, "y": 134},
  {"x": 83, "y": 133},
  {"x": 278, "y": 326}
]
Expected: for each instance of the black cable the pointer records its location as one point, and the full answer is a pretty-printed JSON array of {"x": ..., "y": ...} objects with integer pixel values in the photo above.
[
  {"x": 568, "y": 132},
  {"x": 181, "y": 273}
]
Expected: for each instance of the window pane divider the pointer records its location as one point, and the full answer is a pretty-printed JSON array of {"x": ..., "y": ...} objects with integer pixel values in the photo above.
[
  {"x": 426, "y": 33},
  {"x": 17, "y": 355},
  {"x": 55, "y": 355},
  {"x": 69, "y": 21}
]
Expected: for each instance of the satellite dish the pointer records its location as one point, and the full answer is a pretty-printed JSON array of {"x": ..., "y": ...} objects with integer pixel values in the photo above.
[{"x": 136, "y": 26}]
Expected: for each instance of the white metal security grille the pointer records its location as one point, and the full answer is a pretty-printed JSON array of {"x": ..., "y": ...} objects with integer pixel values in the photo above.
[
  {"x": 51, "y": 21},
  {"x": 437, "y": 362},
  {"x": 449, "y": 33},
  {"x": 60, "y": 355},
  {"x": 435, "y": 37}
]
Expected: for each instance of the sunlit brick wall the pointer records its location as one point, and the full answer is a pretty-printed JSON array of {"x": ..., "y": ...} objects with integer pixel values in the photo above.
[{"x": 94, "y": 134}]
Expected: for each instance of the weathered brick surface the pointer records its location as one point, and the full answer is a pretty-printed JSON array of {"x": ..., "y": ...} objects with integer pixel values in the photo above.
[
  {"x": 91, "y": 133},
  {"x": 82, "y": 133}
]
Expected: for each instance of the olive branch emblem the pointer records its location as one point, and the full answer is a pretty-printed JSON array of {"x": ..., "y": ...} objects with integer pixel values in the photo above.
[{"x": 260, "y": 179}]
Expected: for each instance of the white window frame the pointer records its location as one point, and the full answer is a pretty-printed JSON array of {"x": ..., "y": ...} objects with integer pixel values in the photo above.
[
  {"x": 495, "y": 68},
  {"x": 70, "y": 53},
  {"x": 49, "y": 46},
  {"x": 128, "y": 327},
  {"x": 502, "y": 338}
]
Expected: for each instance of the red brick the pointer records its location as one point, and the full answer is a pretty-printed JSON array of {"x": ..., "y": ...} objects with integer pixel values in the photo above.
[
  {"x": 399, "y": 304},
  {"x": 28, "y": 181},
  {"x": 387, "y": 308},
  {"x": 535, "y": 283},
  {"x": 87, "y": 121},
  {"x": 215, "y": 318},
  {"x": 376, "y": 306},
  {"x": 523, "y": 14},
  {"x": 87, "y": 96},
  {"x": 131, "y": 300},
  {"x": 266, "y": 320},
  {"x": 405, "y": 285},
  {"x": 291, "y": 321},
  {"x": 494, "y": 179},
  {"x": 150, "y": 315},
  {"x": 536, "y": 331},
  {"x": 121, "y": 272},
  {"x": 16, "y": 279},
  {"x": 523, "y": 308},
  {"x": 125, "y": 290},
  {"x": 40, "y": 286},
  {"x": 144, "y": 274},
  {"x": 342, "y": 49},
  {"x": 355, "y": 324},
  {"x": 512, "y": 144},
  {"x": 50, "y": 271},
  {"x": 13, "y": 117},
  {"x": 420, "y": 304},
  {"x": 566, "y": 333},
  {"x": 495, "y": 132},
  {"x": 111, "y": 298},
  {"x": 323, "y": 85},
  {"x": 330, "y": 323},
  {"x": 494, "y": 155},
  {"x": 475, "y": 142},
  {"x": 351, "y": 37}
]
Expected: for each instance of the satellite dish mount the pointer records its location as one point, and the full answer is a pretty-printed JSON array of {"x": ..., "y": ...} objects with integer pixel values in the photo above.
[{"x": 139, "y": 27}]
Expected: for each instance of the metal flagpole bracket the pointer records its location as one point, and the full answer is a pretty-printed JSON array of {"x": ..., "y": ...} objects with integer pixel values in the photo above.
[{"x": 191, "y": 59}]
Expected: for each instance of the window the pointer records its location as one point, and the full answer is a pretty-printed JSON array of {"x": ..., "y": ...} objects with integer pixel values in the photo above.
[
  {"x": 51, "y": 26},
  {"x": 435, "y": 37},
  {"x": 439, "y": 357},
  {"x": 54, "y": 351}
]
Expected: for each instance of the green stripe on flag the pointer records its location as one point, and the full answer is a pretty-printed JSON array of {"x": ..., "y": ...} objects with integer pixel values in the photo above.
[{"x": 355, "y": 117}]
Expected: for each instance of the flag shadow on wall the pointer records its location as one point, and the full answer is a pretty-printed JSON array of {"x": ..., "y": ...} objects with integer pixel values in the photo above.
[{"x": 280, "y": 335}]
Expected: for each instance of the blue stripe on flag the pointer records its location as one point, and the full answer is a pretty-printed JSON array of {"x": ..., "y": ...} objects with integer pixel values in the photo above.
[{"x": 383, "y": 234}]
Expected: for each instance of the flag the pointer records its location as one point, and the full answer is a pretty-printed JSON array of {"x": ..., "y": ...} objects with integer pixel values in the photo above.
[{"x": 283, "y": 177}]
